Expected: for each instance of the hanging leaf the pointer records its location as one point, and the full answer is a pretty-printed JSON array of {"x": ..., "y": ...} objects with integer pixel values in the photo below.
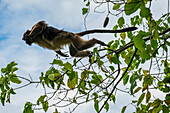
[
  {"x": 141, "y": 99},
  {"x": 106, "y": 107},
  {"x": 96, "y": 105},
  {"x": 136, "y": 90},
  {"x": 125, "y": 79},
  {"x": 121, "y": 21},
  {"x": 156, "y": 102},
  {"x": 106, "y": 21},
  {"x": 123, "y": 35},
  {"x": 148, "y": 96},
  {"x": 84, "y": 11},
  {"x": 123, "y": 109}
]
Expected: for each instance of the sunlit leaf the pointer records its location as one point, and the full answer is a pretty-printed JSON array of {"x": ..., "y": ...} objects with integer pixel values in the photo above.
[
  {"x": 109, "y": 58},
  {"x": 53, "y": 77},
  {"x": 156, "y": 102},
  {"x": 123, "y": 35},
  {"x": 116, "y": 6},
  {"x": 13, "y": 78},
  {"x": 58, "y": 62},
  {"x": 141, "y": 99},
  {"x": 148, "y": 96},
  {"x": 136, "y": 90},
  {"x": 68, "y": 66}
]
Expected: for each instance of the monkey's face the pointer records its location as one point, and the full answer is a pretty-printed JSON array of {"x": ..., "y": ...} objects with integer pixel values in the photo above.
[{"x": 28, "y": 39}]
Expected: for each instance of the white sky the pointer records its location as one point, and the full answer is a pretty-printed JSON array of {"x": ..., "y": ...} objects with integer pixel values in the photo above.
[{"x": 16, "y": 16}]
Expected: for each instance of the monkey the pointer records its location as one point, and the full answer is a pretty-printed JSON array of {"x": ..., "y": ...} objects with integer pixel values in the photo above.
[{"x": 54, "y": 39}]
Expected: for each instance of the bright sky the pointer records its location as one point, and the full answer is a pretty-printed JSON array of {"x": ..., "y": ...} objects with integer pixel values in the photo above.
[{"x": 16, "y": 16}]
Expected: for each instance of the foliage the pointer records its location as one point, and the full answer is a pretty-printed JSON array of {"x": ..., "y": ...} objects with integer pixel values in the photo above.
[{"x": 123, "y": 62}]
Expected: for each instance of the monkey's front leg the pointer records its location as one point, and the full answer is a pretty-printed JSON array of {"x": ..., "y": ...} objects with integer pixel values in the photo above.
[{"x": 62, "y": 54}]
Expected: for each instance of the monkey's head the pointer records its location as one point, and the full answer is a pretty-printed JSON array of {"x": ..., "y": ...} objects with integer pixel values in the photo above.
[
  {"x": 27, "y": 38},
  {"x": 37, "y": 29}
]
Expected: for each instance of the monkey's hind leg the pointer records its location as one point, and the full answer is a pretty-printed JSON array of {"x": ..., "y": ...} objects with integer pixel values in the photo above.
[
  {"x": 62, "y": 54},
  {"x": 76, "y": 53},
  {"x": 82, "y": 44}
]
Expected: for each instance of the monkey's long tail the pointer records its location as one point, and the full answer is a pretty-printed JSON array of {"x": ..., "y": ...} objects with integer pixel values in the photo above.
[{"x": 106, "y": 31}]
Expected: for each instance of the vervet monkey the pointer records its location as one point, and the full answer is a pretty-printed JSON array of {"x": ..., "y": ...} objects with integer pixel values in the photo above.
[{"x": 54, "y": 39}]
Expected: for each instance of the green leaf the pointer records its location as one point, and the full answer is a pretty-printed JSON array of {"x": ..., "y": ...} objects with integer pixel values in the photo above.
[
  {"x": 68, "y": 66},
  {"x": 132, "y": 7},
  {"x": 96, "y": 105},
  {"x": 125, "y": 79},
  {"x": 165, "y": 109},
  {"x": 121, "y": 21},
  {"x": 74, "y": 62},
  {"x": 148, "y": 96},
  {"x": 71, "y": 83},
  {"x": 139, "y": 42},
  {"x": 136, "y": 90},
  {"x": 53, "y": 77},
  {"x": 168, "y": 19},
  {"x": 123, "y": 35},
  {"x": 156, "y": 102},
  {"x": 128, "y": 1},
  {"x": 28, "y": 108},
  {"x": 145, "y": 12},
  {"x": 84, "y": 11},
  {"x": 13, "y": 78},
  {"x": 106, "y": 106},
  {"x": 133, "y": 83},
  {"x": 45, "y": 106},
  {"x": 114, "y": 59},
  {"x": 106, "y": 21},
  {"x": 123, "y": 109},
  {"x": 96, "y": 79},
  {"x": 41, "y": 99},
  {"x": 100, "y": 63},
  {"x": 113, "y": 98},
  {"x": 141, "y": 99},
  {"x": 84, "y": 75},
  {"x": 112, "y": 68},
  {"x": 116, "y": 6},
  {"x": 58, "y": 62}
]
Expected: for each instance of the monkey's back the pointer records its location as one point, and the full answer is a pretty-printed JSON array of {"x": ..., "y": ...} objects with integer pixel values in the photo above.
[{"x": 54, "y": 39}]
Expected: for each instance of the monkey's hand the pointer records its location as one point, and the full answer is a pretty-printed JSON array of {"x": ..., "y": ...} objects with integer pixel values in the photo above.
[
  {"x": 103, "y": 44},
  {"x": 62, "y": 54}
]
